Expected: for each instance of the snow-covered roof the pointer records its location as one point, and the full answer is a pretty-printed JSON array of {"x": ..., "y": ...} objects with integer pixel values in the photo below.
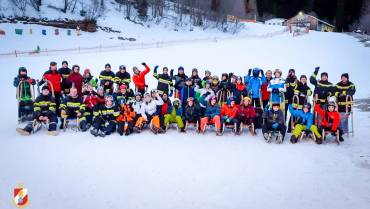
[{"x": 275, "y": 20}]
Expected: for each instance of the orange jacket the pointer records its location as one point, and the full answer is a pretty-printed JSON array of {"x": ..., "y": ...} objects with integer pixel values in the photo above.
[
  {"x": 229, "y": 111},
  {"x": 126, "y": 115},
  {"x": 327, "y": 118},
  {"x": 139, "y": 79}
]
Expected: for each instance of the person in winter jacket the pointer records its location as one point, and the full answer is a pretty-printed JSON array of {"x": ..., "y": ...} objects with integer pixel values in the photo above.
[
  {"x": 329, "y": 119},
  {"x": 75, "y": 79},
  {"x": 215, "y": 84},
  {"x": 125, "y": 121},
  {"x": 265, "y": 93},
  {"x": 165, "y": 84},
  {"x": 123, "y": 96},
  {"x": 25, "y": 94},
  {"x": 254, "y": 84},
  {"x": 228, "y": 112},
  {"x": 122, "y": 76},
  {"x": 179, "y": 81},
  {"x": 208, "y": 92},
  {"x": 211, "y": 115},
  {"x": 343, "y": 89},
  {"x": 64, "y": 71},
  {"x": 207, "y": 77},
  {"x": 73, "y": 107},
  {"x": 149, "y": 113},
  {"x": 105, "y": 118},
  {"x": 239, "y": 90},
  {"x": 323, "y": 88},
  {"x": 224, "y": 91},
  {"x": 290, "y": 84},
  {"x": 174, "y": 115},
  {"x": 304, "y": 123},
  {"x": 277, "y": 87},
  {"x": 89, "y": 79},
  {"x": 192, "y": 112},
  {"x": 107, "y": 79},
  {"x": 246, "y": 113},
  {"x": 187, "y": 91},
  {"x": 53, "y": 79},
  {"x": 139, "y": 78},
  {"x": 90, "y": 99},
  {"x": 196, "y": 80},
  {"x": 275, "y": 121},
  {"x": 44, "y": 112}
]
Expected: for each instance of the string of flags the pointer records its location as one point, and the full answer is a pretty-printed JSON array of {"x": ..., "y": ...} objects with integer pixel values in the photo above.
[{"x": 44, "y": 32}]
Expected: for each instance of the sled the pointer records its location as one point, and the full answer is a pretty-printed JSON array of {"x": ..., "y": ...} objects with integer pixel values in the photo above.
[
  {"x": 325, "y": 133},
  {"x": 224, "y": 126},
  {"x": 22, "y": 115},
  {"x": 271, "y": 134},
  {"x": 306, "y": 136},
  {"x": 48, "y": 83},
  {"x": 250, "y": 127},
  {"x": 218, "y": 133},
  {"x": 293, "y": 120},
  {"x": 195, "y": 125},
  {"x": 67, "y": 122},
  {"x": 220, "y": 95}
]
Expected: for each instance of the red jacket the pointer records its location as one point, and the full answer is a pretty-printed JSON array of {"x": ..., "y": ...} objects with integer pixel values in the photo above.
[
  {"x": 139, "y": 80},
  {"x": 91, "y": 100},
  {"x": 328, "y": 119},
  {"x": 55, "y": 79},
  {"x": 229, "y": 111},
  {"x": 76, "y": 79},
  {"x": 248, "y": 112},
  {"x": 265, "y": 93}
]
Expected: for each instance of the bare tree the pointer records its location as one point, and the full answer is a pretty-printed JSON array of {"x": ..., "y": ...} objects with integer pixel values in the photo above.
[
  {"x": 21, "y": 5},
  {"x": 365, "y": 16},
  {"x": 36, "y": 4}
]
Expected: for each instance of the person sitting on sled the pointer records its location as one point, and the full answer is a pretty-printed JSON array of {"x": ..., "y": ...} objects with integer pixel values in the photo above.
[
  {"x": 149, "y": 113},
  {"x": 125, "y": 121},
  {"x": 44, "y": 112},
  {"x": 211, "y": 115},
  {"x": 228, "y": 112},
  {"x": 275, "y": 122},
  {"x": 304, "y": 123},
  {"x": 73, "y": 107},
  {"x": 246, "y": 113},
  {"x": 192, "y": 112},
  {"x": 174, "y": 115},
  {"x": 25, "y": 94},
  {"x": 329, "y": 119},
  {"x": 105, "y": 118}
]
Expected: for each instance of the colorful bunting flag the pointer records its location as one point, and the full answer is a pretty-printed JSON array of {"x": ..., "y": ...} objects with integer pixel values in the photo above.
[
  {"x": 44, "y": 32},
  {"x": 19, "y": 31}
]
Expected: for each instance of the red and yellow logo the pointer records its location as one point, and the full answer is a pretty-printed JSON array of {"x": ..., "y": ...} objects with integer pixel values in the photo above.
[{"x": 20, "y": 197}]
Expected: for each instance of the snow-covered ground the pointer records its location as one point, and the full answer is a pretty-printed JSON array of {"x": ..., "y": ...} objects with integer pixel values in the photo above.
[{"x": 189, "y": 170}]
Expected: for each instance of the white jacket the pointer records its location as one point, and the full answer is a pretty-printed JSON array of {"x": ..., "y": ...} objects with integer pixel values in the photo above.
[
  {"x": 151, "y": 107},
  {"x": 137, "y": 106}
]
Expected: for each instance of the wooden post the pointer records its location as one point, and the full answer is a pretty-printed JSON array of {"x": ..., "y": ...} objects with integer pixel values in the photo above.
[{"x": 15, "y": 52}]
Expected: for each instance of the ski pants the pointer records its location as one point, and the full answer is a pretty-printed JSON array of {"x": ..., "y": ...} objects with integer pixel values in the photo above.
[
  {"x": 125, "y": 127},
  {"x": 215, "y": 120},
  {"x": 268, "y": 127},
  {"x": 107, "y": 127},
  {"x": 299, "y": 128},
  {"x": 168, "y": 118}
]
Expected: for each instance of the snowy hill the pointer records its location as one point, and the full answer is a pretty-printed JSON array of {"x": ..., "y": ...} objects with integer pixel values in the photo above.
[{"x": 188, "y": 170}]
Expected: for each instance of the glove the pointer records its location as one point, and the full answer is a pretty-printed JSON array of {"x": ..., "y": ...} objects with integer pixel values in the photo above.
[
  {"x": 249, "y": 71},
  {"x": 143, "y": 63},
  {"x": 207, "y": 93},
  {"x": 317, "y": 70},
  {"x": 171, "y": 72},
  {"x": 261, "y": 71},
  {"x": 275, "y": 91},
  {"x": 155, "y": 69},
  {"x": 275, "y": 125},
  {"x": 228, "y": 120},
  {"x": 31, "y": 81}
]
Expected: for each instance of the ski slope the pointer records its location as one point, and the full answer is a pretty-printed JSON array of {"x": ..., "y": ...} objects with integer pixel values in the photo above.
[{"x": 188, "y": 170}]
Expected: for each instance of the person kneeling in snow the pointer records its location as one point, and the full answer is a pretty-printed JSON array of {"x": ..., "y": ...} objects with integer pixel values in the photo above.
[
  {"x": 304, "y": 123},
  {"x": 174, "y": 116},
  {"x": 73, "y": 107},
  {"x": 329, "y": 119},
  {"x": 212, "y": 114},
  {"x": 275, "y": 121},
  {"x": 105, "y": 118},
  {"x": 44, "y": 112}
]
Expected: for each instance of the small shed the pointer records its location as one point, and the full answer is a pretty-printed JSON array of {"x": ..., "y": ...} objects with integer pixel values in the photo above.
[
  {"x": 275, "y": 21},
  {"x": 303, "y": 20}
]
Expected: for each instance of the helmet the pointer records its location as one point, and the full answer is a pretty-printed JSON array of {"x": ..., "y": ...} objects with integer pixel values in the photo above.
[
  {"x": 138, "y": 94},
  {"x": 331, "y": 104},
  {"x": 122, "y": 67},
  {"x": 147, "y": 94},
  {"x": 176, "y": 101},
  {"x": 229, "y": 100},
  {"x": 108, "y": 98}
]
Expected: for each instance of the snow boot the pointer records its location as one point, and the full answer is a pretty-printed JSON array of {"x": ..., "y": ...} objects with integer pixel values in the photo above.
[
  {"x": 53, "y": 133},
  {"x": 23, "y": 131},
  {"x": 319, "y": 140},
  {"x": 182, "y": 130},
  {"x": 293, "y": 139},
  {"x": 267, "y": 137},
  {"x": 279, "y": 139},
  {"x": 102, "y": 134},
  {"x": 94, "y": 132},
  {"x": 137, "y": 129}
]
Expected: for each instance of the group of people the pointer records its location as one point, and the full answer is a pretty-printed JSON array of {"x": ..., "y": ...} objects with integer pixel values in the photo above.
[{"x": 259, "y": 100}]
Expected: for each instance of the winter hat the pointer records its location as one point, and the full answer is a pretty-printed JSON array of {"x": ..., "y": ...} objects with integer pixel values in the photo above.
[
  {"x": 324, "y": 74},
  {"x": 22, "y": 69},
  {"x": 176, "y": 102},
  {"x": 256, "y": 71},
  {"x": 87, "y": 71},
  {"x": 303, "y": 76},
  {"x": 122, "y": 67},
  {"x": 276, "y": 104},
  {"x": 107, "y": 65},
  {"x": 229, "y": 100},
  {"x": 52, "y": 63},
  {"x": 180, "y": 68},
  {"x": 194, "y": 70},
  {"x": 212, "y": 98},
  {"x": 345, "y": 75},
  {"x": 123, "y": 86},
  {"x": 64, "y": 62},
  {"x": 44, "y": 87},
  {"x": 147, "y": 94},
  {"x": 291, "y": 70},
  {"x": 308, "y": 106},
  {"x": 138, "y": 94},
  {"x": 331, "y": 104}
]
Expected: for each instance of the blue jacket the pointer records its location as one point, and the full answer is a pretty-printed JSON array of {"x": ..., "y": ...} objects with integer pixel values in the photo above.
[
  {"x": 303, "y": 118},
  {"x": 186, "y": 92},
  {"x": 277, "y": 83},
  {"x": 178, "y": 111},
  {"x": 211, "y": 111},
  {"x": 254, "y": 85}
]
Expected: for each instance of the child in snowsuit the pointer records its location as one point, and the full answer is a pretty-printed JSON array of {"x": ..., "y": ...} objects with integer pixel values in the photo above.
[
  {"x": 25, "y": 96},
  {"x": 246, "y": 113},
  {"x": 125, "y": 121},
  {"x": 265, "y": 93},
  {"x": 329, "y": 119},
  {"x": 304, "y": 123},
  {"x": 323, "y": 88},
  {"x": 277, "y": 88},
  {"x": 211, "y": 115},
  {"x": 149, "y": 113},
  {"x": 187, "y": 91},
  {"x": 65, "y": 71},
  {"x": 228, "y": 112},
  {"x": 174, "y": 115},
  {"x": 192, "y": 112}
]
